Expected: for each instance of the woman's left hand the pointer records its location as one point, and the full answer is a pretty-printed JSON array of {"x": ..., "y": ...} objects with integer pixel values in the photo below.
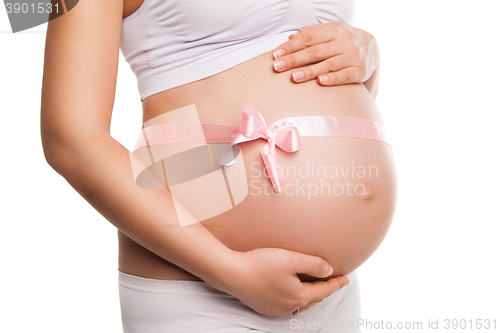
[{"x": 339, "y": 54}]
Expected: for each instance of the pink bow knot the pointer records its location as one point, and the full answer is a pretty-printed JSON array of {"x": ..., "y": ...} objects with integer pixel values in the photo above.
[
  {"x": 268, "y": 134},
  {"x": 253, "y": 127}
]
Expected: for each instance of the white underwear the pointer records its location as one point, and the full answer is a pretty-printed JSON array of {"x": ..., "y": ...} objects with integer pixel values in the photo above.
[{"x": 166, "y": 306}]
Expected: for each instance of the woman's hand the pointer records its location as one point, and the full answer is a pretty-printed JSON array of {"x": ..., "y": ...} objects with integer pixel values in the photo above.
[
  {"x": 340, "y": 54},
  {"x": 266, "y": 280}
]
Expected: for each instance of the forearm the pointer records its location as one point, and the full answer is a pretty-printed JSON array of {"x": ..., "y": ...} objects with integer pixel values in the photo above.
[
  {"x": 79, "y": 82},
  {"x": 99, "y": 168}
]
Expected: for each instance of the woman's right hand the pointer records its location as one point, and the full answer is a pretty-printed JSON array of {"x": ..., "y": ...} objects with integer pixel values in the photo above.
[{"x": 266, "y": 280}]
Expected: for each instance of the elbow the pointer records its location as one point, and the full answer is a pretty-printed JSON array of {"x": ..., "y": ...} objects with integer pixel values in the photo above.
[
  {"x": 58, "y": 153},
  {"x": 62, "y": 157},
  {"x": 59, "y": 149},
  {"x": 53, "y": 154},
  {"x": 50, "y": 143}
]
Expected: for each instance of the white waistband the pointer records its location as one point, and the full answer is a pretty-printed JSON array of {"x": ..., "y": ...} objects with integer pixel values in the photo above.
[
  {"x": 179, "y": 287},
  {"x": 168, "y": 286}
]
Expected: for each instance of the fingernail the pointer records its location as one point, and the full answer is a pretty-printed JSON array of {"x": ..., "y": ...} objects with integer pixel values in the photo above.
[
  {"x": 323, "y": 79},
  {"x": 348, "y": 281},
  {"x": 278, "y": 53},
  {"x": 279, "y": 65},
  {"x": 297, "y": 76},
  {"x": 329, "y": 271}
]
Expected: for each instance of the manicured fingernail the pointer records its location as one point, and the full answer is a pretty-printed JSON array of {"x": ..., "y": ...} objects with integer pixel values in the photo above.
[
  {"x": 279, "y": 65},
  {"x": 323, "y": 79},
  {"x": 329, "y": 271},
  {"x": 297, "y": 76},
  {"x": 278, "y": 53}
]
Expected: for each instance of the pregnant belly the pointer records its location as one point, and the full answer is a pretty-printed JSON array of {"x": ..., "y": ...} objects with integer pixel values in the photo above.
[
  {"x": 338, "y": 194},
  {"x": 337, "y": 201}
]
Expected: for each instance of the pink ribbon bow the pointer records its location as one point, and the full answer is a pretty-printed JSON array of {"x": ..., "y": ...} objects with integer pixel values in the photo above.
[{"x": 252, "y": 127}]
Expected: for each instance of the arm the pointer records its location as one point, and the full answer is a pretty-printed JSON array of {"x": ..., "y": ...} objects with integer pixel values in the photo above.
[
  {"x": 333, "y": 53},
  {"x": 79, "y": 82}
]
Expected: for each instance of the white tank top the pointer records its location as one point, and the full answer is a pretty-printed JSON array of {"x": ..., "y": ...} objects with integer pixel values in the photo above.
[{"x": 169, "y": 43}]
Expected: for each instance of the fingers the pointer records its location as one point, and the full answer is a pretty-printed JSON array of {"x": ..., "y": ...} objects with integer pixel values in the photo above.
[
  {"x": 312, "y": 35},
  {"x": 334, "y": 64},
  {"x": 318, "y": 290},
  {"x": 333, "y": 53},
  {"x": 337, "y": 69},
  {"x": 345, "y": 76},
  {"x": 310, "y": 55},
  {"x": 310, "y": 265}
]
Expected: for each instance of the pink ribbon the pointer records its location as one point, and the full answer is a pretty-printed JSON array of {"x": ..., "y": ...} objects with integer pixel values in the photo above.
[
  {"x": 253, "y": 127},
  {"x": 284, "y": 133}
]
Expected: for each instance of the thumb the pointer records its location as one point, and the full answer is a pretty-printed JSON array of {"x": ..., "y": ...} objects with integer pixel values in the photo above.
[{"x": 313, "y": 266}]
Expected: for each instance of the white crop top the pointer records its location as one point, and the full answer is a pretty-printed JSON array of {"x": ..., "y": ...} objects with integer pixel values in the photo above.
[{"x": 169, "y": 43}]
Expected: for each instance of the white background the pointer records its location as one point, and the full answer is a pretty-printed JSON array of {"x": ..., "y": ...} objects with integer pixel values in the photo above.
[{"x": 439, "y": 96}]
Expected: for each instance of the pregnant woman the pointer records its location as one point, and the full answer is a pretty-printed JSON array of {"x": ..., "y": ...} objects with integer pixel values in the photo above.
[{"x": 318, "y": 201}]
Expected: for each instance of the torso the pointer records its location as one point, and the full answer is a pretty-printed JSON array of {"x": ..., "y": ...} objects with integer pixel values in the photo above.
[{"x": 344, "y": 229}]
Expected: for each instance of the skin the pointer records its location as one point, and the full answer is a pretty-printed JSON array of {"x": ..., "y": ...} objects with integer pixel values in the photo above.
[
  {"x": 79, "y": 82},
  {"x": 339, "y": 54},
  {"x": 337, "y": 51},
  {"x": 344, "y": 230}
]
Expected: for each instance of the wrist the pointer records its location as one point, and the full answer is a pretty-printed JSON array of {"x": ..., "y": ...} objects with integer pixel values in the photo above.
[{"x": 223, "y": 270}]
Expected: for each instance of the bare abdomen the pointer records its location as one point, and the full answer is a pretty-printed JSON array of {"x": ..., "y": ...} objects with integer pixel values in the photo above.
[
  {"x": 338, "y": 195},
  {"x": 337, "y": 202}
]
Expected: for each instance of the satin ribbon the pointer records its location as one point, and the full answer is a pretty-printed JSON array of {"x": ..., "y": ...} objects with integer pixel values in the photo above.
[
  {"x": 284, "y": 133},
  {"x": 253, "y": 127}
]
